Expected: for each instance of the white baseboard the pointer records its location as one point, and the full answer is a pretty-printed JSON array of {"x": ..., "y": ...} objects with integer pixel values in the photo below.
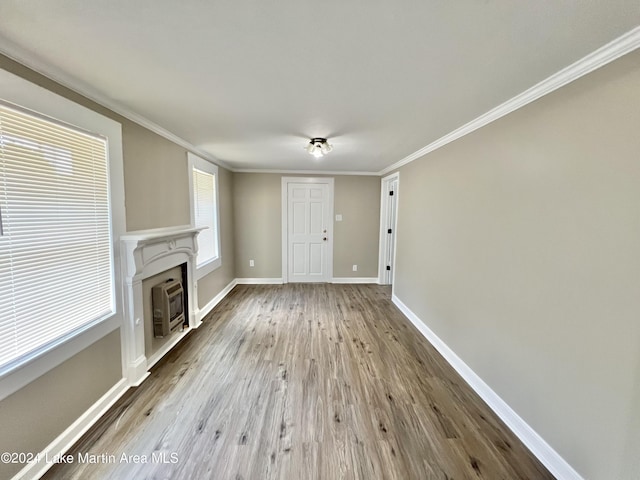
[
  {"x": 355, "y": 280},
  {"x": 66, "y": 439},
  {"x": 534, "y": 442},
  {"x": 278, "y": 281},
  {"x": 259, "y": 281},
  {"x": 204, "y": 311},
  {"x": 78, "y": 428},
  {"x": 164, "y": 349}
]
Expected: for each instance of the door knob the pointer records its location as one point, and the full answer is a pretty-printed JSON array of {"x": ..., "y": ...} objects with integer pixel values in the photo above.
[{"x": 324, "y": 239}]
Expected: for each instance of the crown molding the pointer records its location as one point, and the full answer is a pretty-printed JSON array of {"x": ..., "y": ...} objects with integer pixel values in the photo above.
[
  {"x": 304, "y": 172},
  {"x": 12, "y": 51},
  {"x": 622, "y": 45}
]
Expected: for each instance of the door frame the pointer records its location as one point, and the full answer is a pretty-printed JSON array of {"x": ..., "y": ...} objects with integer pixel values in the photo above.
[
  {"x": 285, "y": 223},
  {"x": 384, "y": 206}
]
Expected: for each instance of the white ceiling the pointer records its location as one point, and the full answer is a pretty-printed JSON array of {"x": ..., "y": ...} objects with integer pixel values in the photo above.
[{"x": 250, "y": 81}]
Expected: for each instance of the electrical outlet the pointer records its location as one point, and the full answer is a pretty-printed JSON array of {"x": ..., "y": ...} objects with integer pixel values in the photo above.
[
  {"x": 355, "y": 268},
  {"x": 339, "y": 217},
  {"x": 252, "y": 263}
]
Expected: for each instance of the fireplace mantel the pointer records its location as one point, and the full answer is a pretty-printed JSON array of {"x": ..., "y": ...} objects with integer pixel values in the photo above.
[{"x": 144, "y": 254}]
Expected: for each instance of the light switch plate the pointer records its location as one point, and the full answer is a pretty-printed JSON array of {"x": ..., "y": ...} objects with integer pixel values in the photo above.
[{"x": 339, "y": 217}]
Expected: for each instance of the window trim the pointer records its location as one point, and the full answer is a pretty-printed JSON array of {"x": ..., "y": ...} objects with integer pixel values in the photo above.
[
  {"x": 203, "y": 165},
  {"x": 27, "y": 95}
]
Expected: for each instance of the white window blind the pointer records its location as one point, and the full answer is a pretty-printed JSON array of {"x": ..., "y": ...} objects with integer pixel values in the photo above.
[
  {"x": 205, "y": 211},
  {"x": 55, "y": 243}
]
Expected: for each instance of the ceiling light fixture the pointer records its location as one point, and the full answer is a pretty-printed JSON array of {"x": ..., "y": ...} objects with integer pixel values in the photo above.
[{"x": 318, "y": 147}]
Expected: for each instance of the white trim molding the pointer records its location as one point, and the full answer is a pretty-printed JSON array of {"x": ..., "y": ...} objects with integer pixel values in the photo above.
[
  {"x": 145, "y": 254},
  {"x": 156, "y": 356},
  {"x": 305, "y": 172},
  {"x": 67, "y": 348},
  {"x": 201, "y": 313},
  {"x": 608, "y": 53},
  {"x": 197, "y": 163},
  {"x": 36, "y": 64},
  {"x": 534, "y": 442},
  {"x": 28, "y": 95},
  {"x": 383, "y": 239},
  {"x": 259, "y": 281},
  {"x": 354, "y": 280},
  {"x": 72, "y": 434},
  {"x": 600, "y": 57}
]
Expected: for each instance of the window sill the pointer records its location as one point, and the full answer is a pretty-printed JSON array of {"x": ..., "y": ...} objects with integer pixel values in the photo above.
[
  {"x": 15, "y": 377},
  {"x": 206, "y": 268}
]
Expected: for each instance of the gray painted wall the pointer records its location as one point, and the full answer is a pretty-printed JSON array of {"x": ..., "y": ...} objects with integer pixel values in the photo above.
[
  {"x": 257, "y": 204},
  {"x": 518, "y": 245},
  {"x": 257, "y": 228},
  {"x": 357, "y": 199},
  {"x": 34, "y": 416},
  {"x": 156, "y": 195}
]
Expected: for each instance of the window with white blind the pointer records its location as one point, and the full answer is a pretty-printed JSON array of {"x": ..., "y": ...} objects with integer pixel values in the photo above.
[
  {"x": 56, "y": 260},
  {"x": 203, "y": 182}
]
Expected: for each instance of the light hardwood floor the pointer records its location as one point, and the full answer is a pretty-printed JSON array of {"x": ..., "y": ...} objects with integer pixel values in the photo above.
[{"x": 304, "y": 382}]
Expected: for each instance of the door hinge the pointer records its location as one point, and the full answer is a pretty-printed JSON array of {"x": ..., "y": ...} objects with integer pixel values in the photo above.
[
  {"x": 389, "y": 230},
  {"x": 388, "y": 267},
  {"x": 391, "y": 193}
]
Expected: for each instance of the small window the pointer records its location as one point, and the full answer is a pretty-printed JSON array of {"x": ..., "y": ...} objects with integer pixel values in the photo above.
[{"x": 203, "y": 182}]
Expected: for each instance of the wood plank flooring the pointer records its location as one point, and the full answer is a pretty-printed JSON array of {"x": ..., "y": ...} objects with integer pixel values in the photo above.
[{"x": 304, "y": 382}]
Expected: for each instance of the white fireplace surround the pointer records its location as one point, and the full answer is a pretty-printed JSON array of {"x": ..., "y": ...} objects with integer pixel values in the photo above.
[{"x": 146, "y": 253}]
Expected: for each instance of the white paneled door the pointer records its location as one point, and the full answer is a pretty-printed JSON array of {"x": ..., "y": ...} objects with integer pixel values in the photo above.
[{"x": 309, "y": 215}]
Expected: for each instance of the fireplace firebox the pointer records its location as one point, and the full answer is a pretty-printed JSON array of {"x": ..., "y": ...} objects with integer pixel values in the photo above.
[{"x": 168, "y": 307}]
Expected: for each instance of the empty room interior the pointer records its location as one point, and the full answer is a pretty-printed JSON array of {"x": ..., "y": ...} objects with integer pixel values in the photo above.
[{"x": 341, "y": 240}]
